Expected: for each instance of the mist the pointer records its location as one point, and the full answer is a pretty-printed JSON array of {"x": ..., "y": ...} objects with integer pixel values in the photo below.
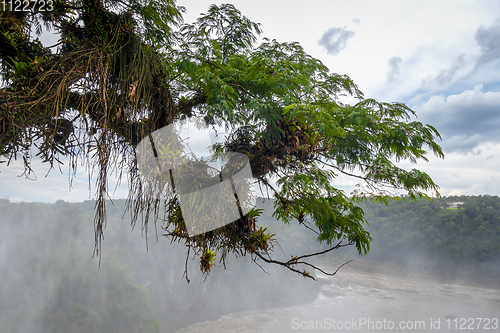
[
  {"x": 426, "y": 262},
  {"x": 52, "y": 282}
]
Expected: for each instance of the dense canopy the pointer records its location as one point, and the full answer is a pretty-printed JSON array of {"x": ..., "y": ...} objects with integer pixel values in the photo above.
[{"x": 124, "y": 69}]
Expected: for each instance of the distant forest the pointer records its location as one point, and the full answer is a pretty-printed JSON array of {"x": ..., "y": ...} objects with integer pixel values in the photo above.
[
  {"x": 51, "y": 283},
  {"x": 451, "y": 236},
  {"x": 456, "y": 238}
]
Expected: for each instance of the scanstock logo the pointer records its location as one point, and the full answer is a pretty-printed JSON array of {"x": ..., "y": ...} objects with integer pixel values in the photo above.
[{"x": 177, "y": 161}]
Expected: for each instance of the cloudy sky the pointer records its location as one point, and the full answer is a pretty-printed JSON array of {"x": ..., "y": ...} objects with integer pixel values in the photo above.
[{"x": 440, "y": 57}]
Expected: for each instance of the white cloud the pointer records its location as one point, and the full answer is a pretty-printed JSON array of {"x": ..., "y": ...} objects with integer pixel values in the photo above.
[
  {"x": 448, "y": 75},
  {"x": 473, "y": 173},
  {"x": 461, "y": 143},
  {"x": 394, "y": 70},
  {"x": 468, "y": 118},
  {"x": 489, "y": 41},
  {"x": 335, "y": 40}
]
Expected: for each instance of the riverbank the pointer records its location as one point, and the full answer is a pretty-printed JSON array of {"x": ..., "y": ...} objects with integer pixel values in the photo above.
[{"x": 365, "y": 265}]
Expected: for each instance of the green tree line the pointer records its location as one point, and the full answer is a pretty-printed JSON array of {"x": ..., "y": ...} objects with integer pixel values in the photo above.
[{"x": 451, "y": 233}]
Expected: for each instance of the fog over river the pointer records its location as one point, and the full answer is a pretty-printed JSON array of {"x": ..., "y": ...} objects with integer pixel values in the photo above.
[
  {"x": 51, "y": 283},
  {"x": 364, "y": 302}
]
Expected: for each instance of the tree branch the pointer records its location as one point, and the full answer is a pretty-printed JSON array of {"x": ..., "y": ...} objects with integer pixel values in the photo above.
[{"x": 295, "y": 261}]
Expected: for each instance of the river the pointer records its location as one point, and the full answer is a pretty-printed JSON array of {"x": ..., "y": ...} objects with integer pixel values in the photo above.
[{"x": 366, "y": 302}]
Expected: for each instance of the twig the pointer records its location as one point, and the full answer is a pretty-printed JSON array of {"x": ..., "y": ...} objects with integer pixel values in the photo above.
[
  {"x": 295, "y": 261},
  {"x": 272, "y": 261},
  {"x": 186, "y": 266}
]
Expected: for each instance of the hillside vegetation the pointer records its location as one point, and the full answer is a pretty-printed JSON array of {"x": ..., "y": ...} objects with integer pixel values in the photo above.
[{"x": 452, "y": 237}]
